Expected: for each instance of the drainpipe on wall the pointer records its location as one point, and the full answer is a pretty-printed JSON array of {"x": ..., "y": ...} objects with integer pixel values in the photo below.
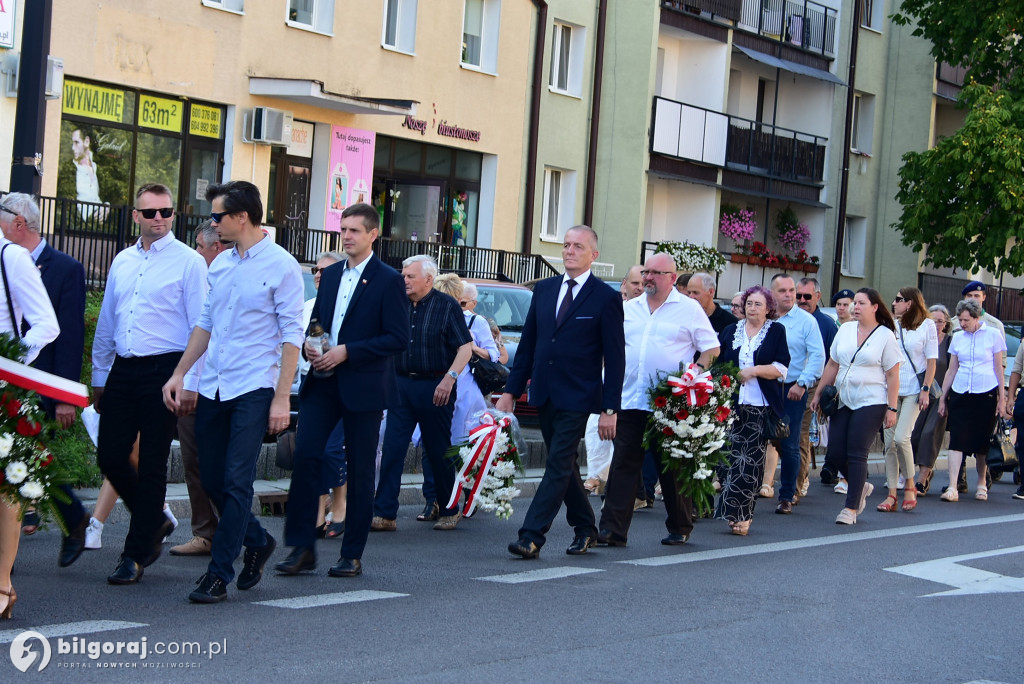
[
  {"x": 534, "y": 125},
  {"x": 837, "y": 259},
  {"x": 595, "y": 113}
]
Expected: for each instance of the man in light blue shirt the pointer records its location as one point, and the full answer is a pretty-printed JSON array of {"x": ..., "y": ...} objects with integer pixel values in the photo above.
[
  {"x": 807, "y": 361},
  {"x": 251, "y": 322}
]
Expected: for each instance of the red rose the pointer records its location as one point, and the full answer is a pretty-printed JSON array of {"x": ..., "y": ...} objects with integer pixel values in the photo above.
[
  {"x": 682, "y": 415},
  {"x": 726, "y": 381},
  {"x": 667, "y": 431},
  {"x": 13, "y": 406},
  {"x": 722, "y": 413},
  {"x": 46, "y": 461},
  {"x": 27, "y": 428},
  {"x": 660, "y": 402}
]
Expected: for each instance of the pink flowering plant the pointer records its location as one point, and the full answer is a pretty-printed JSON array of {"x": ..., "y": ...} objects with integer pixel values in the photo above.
[
  {"x": 737, "y": 224},
  {"x": 792, "y": 234}
]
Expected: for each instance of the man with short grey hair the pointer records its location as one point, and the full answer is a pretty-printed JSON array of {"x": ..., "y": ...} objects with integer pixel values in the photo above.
[
  {"x": 702, "y": 287},
  {"x": 208, "y": 242}
]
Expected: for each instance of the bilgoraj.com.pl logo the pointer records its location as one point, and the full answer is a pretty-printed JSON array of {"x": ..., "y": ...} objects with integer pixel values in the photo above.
[{"x": 26, "y": 653}]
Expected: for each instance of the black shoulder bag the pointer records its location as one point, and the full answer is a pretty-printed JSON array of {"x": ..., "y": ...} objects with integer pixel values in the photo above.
[{"x": 490, "y": 376}]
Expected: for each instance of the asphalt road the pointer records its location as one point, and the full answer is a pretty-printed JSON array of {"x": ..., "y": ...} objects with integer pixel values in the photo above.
[{"x": 799, "y": 600}]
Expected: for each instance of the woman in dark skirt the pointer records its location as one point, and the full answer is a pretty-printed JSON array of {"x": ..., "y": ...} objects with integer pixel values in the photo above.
[
  {"x": 757, "y": 346},
  {"x": 931, "y": 427},
  {"x": 972, "y": 393}
]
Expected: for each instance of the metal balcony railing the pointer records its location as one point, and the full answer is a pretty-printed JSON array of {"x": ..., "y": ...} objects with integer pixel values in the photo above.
[
  {"x": 730, "y": 10},
  {"x": 806, "y": 24},
  {"x": 697, "y": 134}
]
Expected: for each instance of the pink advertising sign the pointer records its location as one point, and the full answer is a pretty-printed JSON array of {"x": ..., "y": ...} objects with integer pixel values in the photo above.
[{"x": 351, "y": 173}]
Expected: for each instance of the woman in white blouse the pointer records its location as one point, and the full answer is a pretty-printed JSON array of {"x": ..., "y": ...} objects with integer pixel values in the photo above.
[
  {"x": 865, "y": 367},
  {"x": 919, "y": 345},
  {"x": 972, "y": 393}
]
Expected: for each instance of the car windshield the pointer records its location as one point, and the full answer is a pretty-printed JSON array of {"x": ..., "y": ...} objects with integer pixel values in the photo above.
[{"x": 506, "y": 306}]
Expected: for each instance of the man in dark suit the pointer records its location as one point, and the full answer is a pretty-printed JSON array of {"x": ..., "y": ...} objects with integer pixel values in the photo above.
[
  {"x": 64, "y": 280},
  {"x": 362, "y": 303},
  {"x": 572, "y": 330}
]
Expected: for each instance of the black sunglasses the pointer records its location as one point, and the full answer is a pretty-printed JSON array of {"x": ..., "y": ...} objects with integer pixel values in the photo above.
[
  {"x": 218, "y": 216},
  {"x": 151, "y": 213},
  {"x": 315, "y": 269},
  {"x": 806, "y": 297},
  {"x": 898, "y": 298}
]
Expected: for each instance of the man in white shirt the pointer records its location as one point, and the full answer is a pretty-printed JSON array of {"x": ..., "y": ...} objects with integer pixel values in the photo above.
[
  {"x": 663, "y": 329},
  {"x": 251, "y": 331},
  {"x": 27, "y": 296},
  {"x": 155, "y": 292}
]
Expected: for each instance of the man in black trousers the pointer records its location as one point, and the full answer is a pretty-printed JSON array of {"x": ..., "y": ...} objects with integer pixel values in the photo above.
[{"x": 572, "y": 330}]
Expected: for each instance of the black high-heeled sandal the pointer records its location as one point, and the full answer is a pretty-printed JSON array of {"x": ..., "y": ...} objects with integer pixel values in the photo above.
[{"x": 12, "y": 597}]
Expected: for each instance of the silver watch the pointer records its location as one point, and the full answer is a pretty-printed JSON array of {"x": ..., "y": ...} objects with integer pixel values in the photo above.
[{"x": 452, "y": 374}]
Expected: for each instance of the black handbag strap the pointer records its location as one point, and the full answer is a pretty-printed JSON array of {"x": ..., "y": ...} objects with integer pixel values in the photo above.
[
  {"x": 7, "y": 292},
  {"x": 861, "y": 346},
  {"x": 904, "y": 345}
]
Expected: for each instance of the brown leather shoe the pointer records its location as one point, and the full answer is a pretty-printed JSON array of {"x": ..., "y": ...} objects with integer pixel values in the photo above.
[
  {"x": 784, "y": 508},
  {"x": 196, "y": 546},
  {"x": 447, "y": 522},
  {"x": 379, "y": 524}
]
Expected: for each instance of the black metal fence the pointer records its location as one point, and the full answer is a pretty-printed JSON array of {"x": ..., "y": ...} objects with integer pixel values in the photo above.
[
  {"x": 1005, "y": 303},
  {"x": 725, "y": 9},
  {"x": 807, "y": 24}
]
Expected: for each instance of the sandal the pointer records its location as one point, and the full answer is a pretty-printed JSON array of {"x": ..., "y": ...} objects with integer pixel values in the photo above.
[
  {"x": 767, "y": 492},
  {"x": 909, "y": 502},
  {"x": 885, "y": 506},
  {"x": 30, "y": 523},
  {"x": 335, "y": 530},
  {"x": 741, "y": 528},
  {"x": 982, "y": 493},
  {"x": 430, "y": 512}
]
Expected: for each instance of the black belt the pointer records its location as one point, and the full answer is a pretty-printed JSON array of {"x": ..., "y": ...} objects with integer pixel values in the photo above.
[
  {"x": 169, "y": 356},
  {"x": 424, "y": 376}
]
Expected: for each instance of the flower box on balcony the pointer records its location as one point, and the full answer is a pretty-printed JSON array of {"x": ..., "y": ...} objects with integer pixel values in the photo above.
[{"x": 740, "y": 258}]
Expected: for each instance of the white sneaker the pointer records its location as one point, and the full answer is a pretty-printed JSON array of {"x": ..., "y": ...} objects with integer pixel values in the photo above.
[
  {"x": 841, "y": 488},
  {"x": 170, "y": 516},
  {"x": 94, "y": 534},
  {"x": 901, "y": 483},
  {"x": 803, "y": 488}
]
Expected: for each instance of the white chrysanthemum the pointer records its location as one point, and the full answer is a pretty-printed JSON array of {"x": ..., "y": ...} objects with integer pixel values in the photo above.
[
  {"x": 6, "y": 444},
  {"x": 16, "y": 472},
  {"x": 31, "y": 490}
]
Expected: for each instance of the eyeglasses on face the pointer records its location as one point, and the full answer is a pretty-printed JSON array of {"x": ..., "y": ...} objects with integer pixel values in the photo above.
[
  {"x": 165, "y": 212},
  {"x": 899, "y": 299},
  {"x": 656, "y": 273},
  {"x": 218, "y": 216},
  {"x": 315, "y": 269},
  {"x": 805, "y": 297},
  {"x": 735, "y": 305}
]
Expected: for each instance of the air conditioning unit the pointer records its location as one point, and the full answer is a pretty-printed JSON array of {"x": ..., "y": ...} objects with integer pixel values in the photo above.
[
  {"x": 54, "y": 75},
  {"x": 271, "y": 126}
]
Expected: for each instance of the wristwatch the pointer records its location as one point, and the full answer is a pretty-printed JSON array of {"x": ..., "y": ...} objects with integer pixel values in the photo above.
[
  {"x": 893, "y": 409},
  {"x": 610, "y": 412},
  {"x": 452, "y": 374}
]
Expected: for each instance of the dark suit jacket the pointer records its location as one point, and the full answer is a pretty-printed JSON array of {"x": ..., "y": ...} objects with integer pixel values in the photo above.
[
  {"x": 564, "y": 362},
  {"x": 773, "y": 348},
  {"x": 376, "y": 327},
  {"x": 64, "y": 280}
]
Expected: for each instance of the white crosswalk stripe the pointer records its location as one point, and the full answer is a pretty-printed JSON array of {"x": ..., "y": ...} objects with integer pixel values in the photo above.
[
  {"x": 539, "y": 575},
  {"x": 318, "y": 600},
  {"x": 71, "y": 628}
]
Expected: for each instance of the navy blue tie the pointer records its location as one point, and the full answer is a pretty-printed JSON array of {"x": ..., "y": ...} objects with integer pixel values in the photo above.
[{"x": 563, "y": 309}]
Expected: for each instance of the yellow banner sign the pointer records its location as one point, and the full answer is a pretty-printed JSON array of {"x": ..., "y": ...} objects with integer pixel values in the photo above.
[
  {"x": 205, "y": 121},
  {"x": 161, "y": 113},
  {"x": 95, "y": 102}
]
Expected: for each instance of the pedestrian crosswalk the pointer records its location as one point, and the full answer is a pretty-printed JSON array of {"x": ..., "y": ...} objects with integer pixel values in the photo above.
[
  {"x": 539, "y": 575},
  {"x": 318, "y": 600},
  {"x": 72, "y": 628}
]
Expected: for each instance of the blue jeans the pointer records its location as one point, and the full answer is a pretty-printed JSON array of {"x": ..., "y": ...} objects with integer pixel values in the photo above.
[
  {"x": 229, "y": 435},
  {"x": 789, "y": 448}
]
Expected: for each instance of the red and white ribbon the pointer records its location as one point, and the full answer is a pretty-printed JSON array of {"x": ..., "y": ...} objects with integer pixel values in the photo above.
[
  {"x": 697, "y": 389},
  {"x": 53, "y": 386},
  {"x": 483, "y": 452}
]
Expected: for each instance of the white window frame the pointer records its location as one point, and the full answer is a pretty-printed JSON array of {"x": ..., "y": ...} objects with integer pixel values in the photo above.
[
  {"x": 405, "y": 26},
  {"x": 872, "y": 14},
  {"x": 322, "y": 13},
  {"x": 855, "y": 246},
  {"x": 559, "y": 199},
  {"x": 574, "y": 66},
  {"x": 233, "y": 6},
  {"x": 862, "y": 131},
  {"x": 490, "y": 12}
]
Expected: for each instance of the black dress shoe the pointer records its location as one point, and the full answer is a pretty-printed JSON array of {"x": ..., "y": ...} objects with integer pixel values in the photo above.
[
  {"x": 346, "y": 567},
  {"x": 580, "y": 544},
  {"x": 126, "y": 572},
  {"x": 158, "y": 542},
  {"x": 524, "y": 548},
  {"x": 675, "y": 539},
  {"x": 73, "y": 545},
  {"x": 606, "y": 538},
  {"x": 255, "y": 559},
  {"x": 211, "y": 589},
  {"x": 784, "y": 507},
  {"x": 828, "y": 477},
  {"x": 301, "y": 558}
]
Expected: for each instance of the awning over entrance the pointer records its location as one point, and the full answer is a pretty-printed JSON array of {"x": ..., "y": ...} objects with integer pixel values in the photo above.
[
  {"x": 312, "y": 93},
  {"x": 793, "y": 67}
]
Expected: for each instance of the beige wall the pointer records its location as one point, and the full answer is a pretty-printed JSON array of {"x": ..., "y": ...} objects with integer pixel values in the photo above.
[{"x": 209, "y": 54}]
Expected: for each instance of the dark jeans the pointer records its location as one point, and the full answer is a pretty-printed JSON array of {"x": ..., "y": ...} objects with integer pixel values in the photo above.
[
  {"x": 789, "y": 448},
  {"x": 132, "y": 406},
  {"x": 230, "y": 435},
  {"x": 562, "y": 431},
  {"x": 436, "y": 427},
  {"x": 628, "y": 459},
  {"x": 321, "y": 417},
  {"x": 204, "y": 514},
  {"x": 850, "y": 435},
  {"x": 72, "y": 512}
]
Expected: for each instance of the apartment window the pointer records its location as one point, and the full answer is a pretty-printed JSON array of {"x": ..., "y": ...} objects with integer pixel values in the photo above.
[
  {"x": 400, "y": 25},
  {"x": 871, "y": 14},
  {"x": 230, "y": 5},
  {"x": 559, "y": 203},
  {"x": 855, "y": 242},
  {"x": 313, "y": 15},
  {"x": 480, "y": 23},
  {"x": 567, "y": 46},
  {"x": 863, "y": 125}
]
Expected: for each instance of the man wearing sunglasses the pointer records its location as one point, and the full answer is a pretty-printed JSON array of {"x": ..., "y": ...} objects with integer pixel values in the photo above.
[{"x": 154, "y": 296}]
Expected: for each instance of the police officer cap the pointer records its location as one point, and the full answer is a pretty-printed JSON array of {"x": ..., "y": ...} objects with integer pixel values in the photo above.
[
  {"x": 972, "y": 286},
  {"x": 842, "y": 294}
]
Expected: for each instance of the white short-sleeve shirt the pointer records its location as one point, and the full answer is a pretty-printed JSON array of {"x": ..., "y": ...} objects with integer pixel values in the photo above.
[
  {"x": 863, "y": 383},
  {"x": 974, "y": 351}
]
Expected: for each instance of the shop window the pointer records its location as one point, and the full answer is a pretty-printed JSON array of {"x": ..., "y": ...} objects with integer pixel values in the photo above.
[
  {"x": 567, "y": 46},
  {"x": 230, "y": 5},
  {"x": 314, "y": 15},
  {"x": 158, "y": 160},
  {"x": 465, "y": 206},
  {"x": 480, "y": 23},
  {"x": 558, "y": 204},
  {"x": 863, "y": 125},
  {"x": 439, "y": 161},
  {"x": 468, "y": 165},
  {"x": 399, "y": 25},
  {"x": 855, "y": 240},
  {"x": 408, "y": 156}
]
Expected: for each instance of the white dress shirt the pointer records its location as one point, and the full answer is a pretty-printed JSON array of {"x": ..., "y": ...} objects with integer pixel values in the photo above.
[
  {"x": 579, "y": 280},
  {"x": 255, "y": 306},
  {"x": 152, "y": 301},
  {"x": 661, "y": 341},
  {"x": 974, "y": 351},
  {"x": 861, "y": 377},
  {"x": 29, "y": 299},
  {"x": 349, "y": 279}
]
